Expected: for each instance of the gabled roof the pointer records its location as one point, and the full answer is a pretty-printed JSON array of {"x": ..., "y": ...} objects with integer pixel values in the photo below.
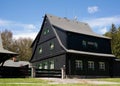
[
  {"x": 77, "y": 27},
  {"x": 72, "y": 26}
]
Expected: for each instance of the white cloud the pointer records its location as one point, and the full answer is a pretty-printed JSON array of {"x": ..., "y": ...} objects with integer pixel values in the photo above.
[
  {"x": 25, "y": 35},
  {"x": 101, "y": 25},
  {"x": 19, "y": 29},
  {"x": 104, "y": 21},
  {"x": 92, "y": 9},
  {"x": 103, "y": 30}
]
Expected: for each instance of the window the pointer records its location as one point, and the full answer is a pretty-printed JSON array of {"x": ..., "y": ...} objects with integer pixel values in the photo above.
[
  {"x": 52, "y": 46},
  {"x": 84, "y": 43},
  {"x": 45, "y": 65},
  {"x": 40, "y": 50},
  {"x": 91, "y": 65},
  {"x": 46, "y": 31},
  {"x": 96, "y": 45},
  {"x": 40, "y": 66},
  {"x": 102, "y": 65},
  {"x": 51, "y": 64},
  {"x": 79, "y": 64}
]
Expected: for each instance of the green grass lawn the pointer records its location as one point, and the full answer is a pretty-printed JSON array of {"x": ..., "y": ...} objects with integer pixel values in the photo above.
[
  {"x": 109, "y": 79},
  {"x": 41, "y": 82}
]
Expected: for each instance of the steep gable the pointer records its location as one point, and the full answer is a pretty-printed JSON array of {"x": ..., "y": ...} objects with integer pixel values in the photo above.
[{"x": 46, "y": 39}]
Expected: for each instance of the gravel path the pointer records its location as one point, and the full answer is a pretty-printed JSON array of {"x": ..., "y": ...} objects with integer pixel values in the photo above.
[{"x": 75, "y": 81}]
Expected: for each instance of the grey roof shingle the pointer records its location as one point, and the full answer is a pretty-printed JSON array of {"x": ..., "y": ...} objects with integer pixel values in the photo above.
[{"x": 72, "y": 26}]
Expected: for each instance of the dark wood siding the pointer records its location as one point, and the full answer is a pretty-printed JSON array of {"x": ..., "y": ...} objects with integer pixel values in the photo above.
[
  {"x": 47, "y": 36},
  {"x": 88, "y": 43},
  {"x": 71, "y": 67},
  {"x": 62, "y": 35},
  {"x": 44, "y": 42},
  {"x": 59, "y": 61}
]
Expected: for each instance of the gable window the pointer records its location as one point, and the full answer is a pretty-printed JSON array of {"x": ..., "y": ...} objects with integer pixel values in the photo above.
[
  {"x": 102, "y": 65},
  {"x": 52, "y": 46},
  {"x": 91, "y": 65},
  {"x": 40, "y": 50},
  {"x": 46, "y": 31},
  {"x": 79, "y": 64}
]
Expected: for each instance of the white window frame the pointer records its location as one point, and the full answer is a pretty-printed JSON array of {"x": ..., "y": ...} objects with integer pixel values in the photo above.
[
  {"x": 102, "y": 65},
  {"x": 79, "y": 64},
  {"x": 91, "y": 65}
]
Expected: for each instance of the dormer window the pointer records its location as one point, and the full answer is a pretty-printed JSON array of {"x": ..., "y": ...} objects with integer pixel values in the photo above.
[
  {"x": 96, "y": 45},
  {"x": 84, "y": 43}
]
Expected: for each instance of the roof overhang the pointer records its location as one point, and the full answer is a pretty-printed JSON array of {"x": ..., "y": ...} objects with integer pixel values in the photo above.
[
  {"x": 5, "y": 55},
  {"x": 90, "y": 53}
]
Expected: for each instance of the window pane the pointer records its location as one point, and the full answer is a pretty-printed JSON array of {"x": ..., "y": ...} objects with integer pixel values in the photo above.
[
  {"x": 79, "y": 64},
  {"x": 45, "y": 65},
  {"x": 51, "y": 64},
  {"x": 40, "y": 66},
  {"x": 40, "y": 50},
  {"x": 102, "y": 65},
  {"x": 84, "y": 43},
  {"x": 91, "y": 65},
  {"x": 52, "y": 46},
  {"x": 47, "y": 31}
]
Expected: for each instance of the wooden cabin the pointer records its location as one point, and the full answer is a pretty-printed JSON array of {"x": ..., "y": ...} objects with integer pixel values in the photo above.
[{"x": 73, "y": 45}]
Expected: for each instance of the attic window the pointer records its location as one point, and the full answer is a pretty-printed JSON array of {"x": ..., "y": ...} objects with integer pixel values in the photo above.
[
  {"x": 40, "y": 50},
  {"x": 52, "y": 46},
  {"x": 46, "y": 31}
]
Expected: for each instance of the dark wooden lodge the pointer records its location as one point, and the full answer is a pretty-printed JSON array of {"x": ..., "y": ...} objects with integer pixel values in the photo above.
[{"x": 71, "y": 44}]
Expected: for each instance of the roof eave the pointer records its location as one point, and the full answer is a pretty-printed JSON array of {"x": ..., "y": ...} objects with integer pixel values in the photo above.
[{"x": 90, "y": 53}]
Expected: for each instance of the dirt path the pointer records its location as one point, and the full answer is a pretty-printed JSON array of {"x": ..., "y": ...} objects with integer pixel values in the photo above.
[{"x": 75, "y": 81}]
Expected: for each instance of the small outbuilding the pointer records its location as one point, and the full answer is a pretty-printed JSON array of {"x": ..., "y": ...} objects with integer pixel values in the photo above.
[{"x": 5, "y": 54}]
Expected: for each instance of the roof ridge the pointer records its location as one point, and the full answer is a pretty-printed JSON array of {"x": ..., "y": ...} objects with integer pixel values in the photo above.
[{"x": 72, "y": 25}]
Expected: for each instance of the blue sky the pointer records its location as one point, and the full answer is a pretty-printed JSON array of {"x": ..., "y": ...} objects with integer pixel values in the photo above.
[{"x": 24, "y": 17}]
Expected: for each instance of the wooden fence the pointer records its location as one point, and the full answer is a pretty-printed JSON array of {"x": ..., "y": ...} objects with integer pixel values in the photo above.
[
  {"x": 19, "y": 72},
  {"x": 47, "y": 73},
  {"x": 14, "y": 72}
]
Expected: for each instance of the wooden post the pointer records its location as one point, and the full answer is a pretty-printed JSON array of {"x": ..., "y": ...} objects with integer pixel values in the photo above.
[
  {"x": 63, "y": 72},
  {"x": 33, "y": 72}
]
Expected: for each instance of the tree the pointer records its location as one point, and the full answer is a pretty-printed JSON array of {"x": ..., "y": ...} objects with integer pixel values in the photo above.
[
  {"x": 7, "y": 39},
  {"x": 20, "y": 46},
  {"x": 114, "y": 34},
  {"x": 113, "y": 29}
]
